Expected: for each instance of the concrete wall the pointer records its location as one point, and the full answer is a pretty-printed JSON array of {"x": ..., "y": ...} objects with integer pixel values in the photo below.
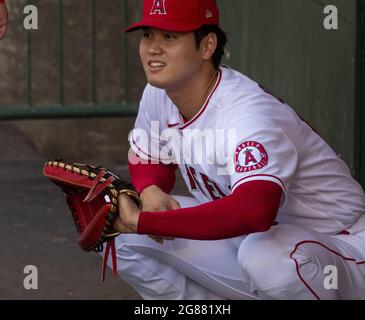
[{"x": 99, "y": 141}]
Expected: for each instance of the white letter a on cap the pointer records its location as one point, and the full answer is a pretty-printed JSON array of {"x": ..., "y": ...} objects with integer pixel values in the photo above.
[{"x": 158, "y": 7}]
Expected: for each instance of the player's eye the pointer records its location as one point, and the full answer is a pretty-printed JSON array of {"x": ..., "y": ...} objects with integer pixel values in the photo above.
[
  {"x": 146, "y": 35},
  {"x": 169, "y": 36}
]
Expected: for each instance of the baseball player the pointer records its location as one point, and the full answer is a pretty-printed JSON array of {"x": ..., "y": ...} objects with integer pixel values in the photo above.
[
  {"x": 3, "y": 19},
  {"x": 274, "y": 212}
]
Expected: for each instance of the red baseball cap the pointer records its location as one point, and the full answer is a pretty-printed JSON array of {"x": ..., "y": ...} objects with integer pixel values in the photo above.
[{"x": 177, "y": 15}]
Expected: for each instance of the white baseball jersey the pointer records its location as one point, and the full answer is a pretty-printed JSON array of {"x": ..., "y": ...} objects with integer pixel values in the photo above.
[{"x": 242, "y": 134}]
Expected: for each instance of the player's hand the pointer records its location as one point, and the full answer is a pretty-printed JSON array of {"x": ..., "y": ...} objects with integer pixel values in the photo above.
[
  {"x": 155, "y": 200},
  {"x": 3, "y": 20},
  {"x": 128, "y": 215}
]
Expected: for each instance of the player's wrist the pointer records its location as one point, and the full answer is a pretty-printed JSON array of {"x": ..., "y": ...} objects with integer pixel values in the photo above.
[{"x": 128, "y": 213}]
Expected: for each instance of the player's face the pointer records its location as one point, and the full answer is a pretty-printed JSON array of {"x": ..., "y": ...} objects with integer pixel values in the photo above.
[{"x": 169, "y": 59}]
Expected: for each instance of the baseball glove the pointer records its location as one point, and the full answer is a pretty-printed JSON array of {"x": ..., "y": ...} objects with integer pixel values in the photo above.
[{"x": 92, "y": 197}]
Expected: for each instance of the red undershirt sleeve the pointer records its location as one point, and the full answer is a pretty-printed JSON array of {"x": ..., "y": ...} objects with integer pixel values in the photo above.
[
  {"x": 2, "y": 1},
  {"x": 251, "y": 208},
  {"x": 144, "y": 175}
]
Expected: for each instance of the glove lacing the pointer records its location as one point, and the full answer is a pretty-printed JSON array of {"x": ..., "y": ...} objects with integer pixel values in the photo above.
[{"x": 110, "y": 246}]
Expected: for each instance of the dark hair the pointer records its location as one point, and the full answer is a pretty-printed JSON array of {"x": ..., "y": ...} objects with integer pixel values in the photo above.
[{"x": 222, "y": 40}]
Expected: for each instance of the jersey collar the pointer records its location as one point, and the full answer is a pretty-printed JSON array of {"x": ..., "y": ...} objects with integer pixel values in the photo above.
[{"x": 205, "y": 105}]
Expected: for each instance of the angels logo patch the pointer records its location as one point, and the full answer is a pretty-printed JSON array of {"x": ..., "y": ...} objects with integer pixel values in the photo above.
[{"x": 250, "y": 156}]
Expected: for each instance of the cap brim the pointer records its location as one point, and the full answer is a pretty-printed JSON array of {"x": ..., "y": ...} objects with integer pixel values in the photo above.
[{"x": 167, "y": 25}]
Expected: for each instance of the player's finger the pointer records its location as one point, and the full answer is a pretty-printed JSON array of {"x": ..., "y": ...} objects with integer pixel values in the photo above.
[
  {"x": 175, "y": 205},
  {"x": 157, "y": 239},
  {"x": 120, "y": 226},
  {"x": 169, "y": 238},
  {"x": 154, "y": 208}
]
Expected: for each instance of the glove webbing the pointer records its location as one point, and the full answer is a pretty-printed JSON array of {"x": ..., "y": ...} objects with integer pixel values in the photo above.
[{"x": 94, "y": 190}]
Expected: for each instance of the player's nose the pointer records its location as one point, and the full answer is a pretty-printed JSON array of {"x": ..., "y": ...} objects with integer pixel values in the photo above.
[
  {"x": 154, "y": 50},
  {"x": 154, "y": 47}
]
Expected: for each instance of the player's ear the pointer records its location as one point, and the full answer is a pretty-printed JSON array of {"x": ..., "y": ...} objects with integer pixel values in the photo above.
[{"x": 209, "y": 45}]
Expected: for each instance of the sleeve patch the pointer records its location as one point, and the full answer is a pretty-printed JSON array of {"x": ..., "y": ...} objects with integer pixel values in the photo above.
[{"x": 250, "y": 156}]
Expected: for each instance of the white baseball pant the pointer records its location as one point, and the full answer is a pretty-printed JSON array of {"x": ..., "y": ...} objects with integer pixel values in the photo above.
[{"x": 286, "y": 262}]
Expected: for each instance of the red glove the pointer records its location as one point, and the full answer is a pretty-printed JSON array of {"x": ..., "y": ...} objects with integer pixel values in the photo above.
[{"x": 92, "y": 196}]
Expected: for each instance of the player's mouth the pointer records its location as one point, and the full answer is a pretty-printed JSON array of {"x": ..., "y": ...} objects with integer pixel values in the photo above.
[{"x": 156, "y": 66}]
